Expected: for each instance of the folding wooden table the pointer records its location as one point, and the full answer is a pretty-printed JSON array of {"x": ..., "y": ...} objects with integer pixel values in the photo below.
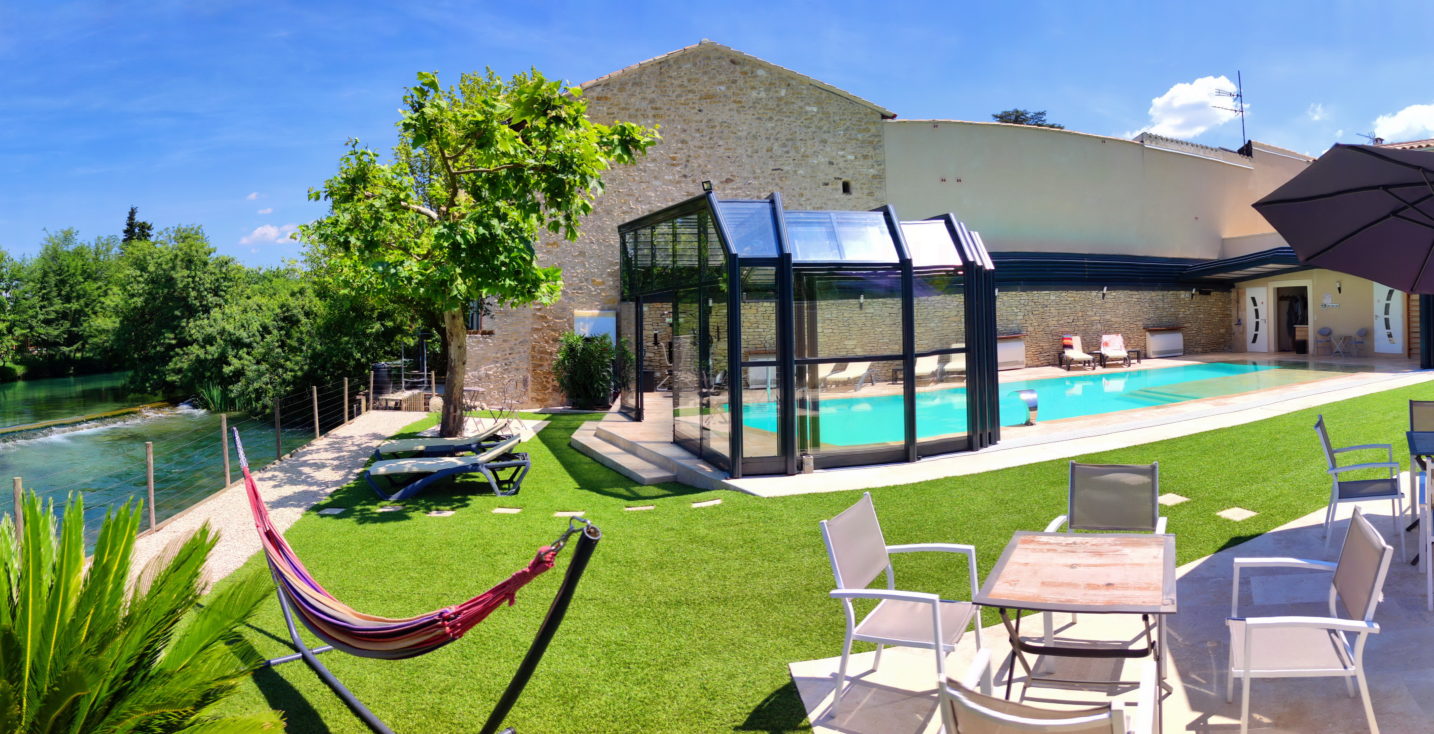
[{"x": 1086, "y": 573}]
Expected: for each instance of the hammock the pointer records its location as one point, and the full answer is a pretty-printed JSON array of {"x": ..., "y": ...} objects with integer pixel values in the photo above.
[{"x": 367, "y": 635}]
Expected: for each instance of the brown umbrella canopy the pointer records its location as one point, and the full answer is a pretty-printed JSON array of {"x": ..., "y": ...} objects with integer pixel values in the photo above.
[{"x": 1362, "y": 210}]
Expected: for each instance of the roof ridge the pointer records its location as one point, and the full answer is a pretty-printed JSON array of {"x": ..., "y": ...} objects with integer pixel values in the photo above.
[{"x": 706, "y": 43}]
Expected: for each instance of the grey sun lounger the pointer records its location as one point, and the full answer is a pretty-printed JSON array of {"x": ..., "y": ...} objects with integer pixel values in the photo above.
[
  {"x": 434, "y": 446},
  {"x": 490, "y": 464}
]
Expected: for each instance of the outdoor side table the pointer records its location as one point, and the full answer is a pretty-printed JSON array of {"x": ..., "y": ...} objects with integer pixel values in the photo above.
[
  {"x": 1134, "y": 355},
  {"x": 1421, "y": 451},
  {"x": 1104, "y": 573}
]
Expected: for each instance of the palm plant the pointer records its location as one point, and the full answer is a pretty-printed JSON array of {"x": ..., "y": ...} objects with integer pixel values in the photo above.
[{"x": 85, "y": 649}]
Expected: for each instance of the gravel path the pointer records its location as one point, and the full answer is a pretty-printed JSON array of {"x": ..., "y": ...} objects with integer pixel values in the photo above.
[{"x": 290, "y": 487}]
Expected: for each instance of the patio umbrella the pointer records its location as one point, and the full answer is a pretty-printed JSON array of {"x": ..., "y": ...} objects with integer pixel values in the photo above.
[{"x": 1362, "y": 210}]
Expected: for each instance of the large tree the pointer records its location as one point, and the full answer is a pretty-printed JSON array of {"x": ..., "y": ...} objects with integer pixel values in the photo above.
[
  {"x": 134, "y": 229},
  {"x": 480, "y": 171},
  {"x": 1036, "y": 118}
]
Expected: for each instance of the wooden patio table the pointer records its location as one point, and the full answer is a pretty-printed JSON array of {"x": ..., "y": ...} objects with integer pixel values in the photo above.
[{"x": 1088, "y": 573}]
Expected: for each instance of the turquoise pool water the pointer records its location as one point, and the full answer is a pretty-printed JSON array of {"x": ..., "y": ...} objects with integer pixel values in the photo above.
[{"x": 858, "y": 420}]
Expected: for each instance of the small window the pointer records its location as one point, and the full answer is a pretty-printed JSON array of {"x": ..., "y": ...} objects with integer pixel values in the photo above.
[{"x": 846, "y": 187}]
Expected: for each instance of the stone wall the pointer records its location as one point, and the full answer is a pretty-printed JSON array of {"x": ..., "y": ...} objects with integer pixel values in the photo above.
[
  {"x": 746, "y": 126},
  {"x": 499, "y": 362},
  {"x": 1045, "y": 315}
]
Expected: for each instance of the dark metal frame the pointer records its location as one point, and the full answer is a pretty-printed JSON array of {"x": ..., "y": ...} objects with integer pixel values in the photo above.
[{"x": 978, "y": 284}]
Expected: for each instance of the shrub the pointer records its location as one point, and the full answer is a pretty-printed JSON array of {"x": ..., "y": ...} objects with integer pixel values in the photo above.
[
  {"x": 83, "y": 653},
  {"x": 584, "y": 369}
]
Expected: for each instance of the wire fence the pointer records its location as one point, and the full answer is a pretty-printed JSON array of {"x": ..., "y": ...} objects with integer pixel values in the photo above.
[{"x": 170, "y": 464}]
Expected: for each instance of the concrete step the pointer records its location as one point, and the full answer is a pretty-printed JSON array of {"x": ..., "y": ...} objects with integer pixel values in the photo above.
[
  {"x": 618, "y": 459},
  {"x": 688, "y": 469}
]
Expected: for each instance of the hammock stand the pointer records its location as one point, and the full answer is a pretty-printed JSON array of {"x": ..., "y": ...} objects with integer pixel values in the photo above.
[{"x": 588, "y": 536}]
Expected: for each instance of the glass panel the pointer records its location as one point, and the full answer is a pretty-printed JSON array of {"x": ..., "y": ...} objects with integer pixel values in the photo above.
[
  {"x": 627, "y": 341},
  {"x": 686, "y": 372},
  {"x": 656, "y": 378},
  {"x": 940, "y": 306},
  {"x": 761, "y": 383},
  {"x": 846, "y": 313},
  {"x": 930, "y": 244},
  {"x": 840, "y": 237},
  {"x": 716, "y": 423},
  {"x": 834, "y": 417},
  {"x": 752, "y": 227}
]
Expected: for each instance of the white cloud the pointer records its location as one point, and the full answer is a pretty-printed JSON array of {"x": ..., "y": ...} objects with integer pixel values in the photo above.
[
  {"x": 1316, "y": 112},
  {"x": 1188, "y": 109},
  {"x": 267, "y": 210},
  {"x": 252, "y": 195},
  {"x": 269, "y": 234},
  {"x": 1414, "y": 122}
]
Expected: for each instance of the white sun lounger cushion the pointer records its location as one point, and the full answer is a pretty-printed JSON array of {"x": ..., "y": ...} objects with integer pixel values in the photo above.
[
  {"x": 405, "y": 445},
  {"x": 440, "y": 463}
]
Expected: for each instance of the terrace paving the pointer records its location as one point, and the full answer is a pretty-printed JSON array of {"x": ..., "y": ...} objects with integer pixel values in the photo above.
[{"x": 900, "y": 696}]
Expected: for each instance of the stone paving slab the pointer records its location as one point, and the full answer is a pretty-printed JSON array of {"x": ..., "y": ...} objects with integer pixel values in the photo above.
[{"x": 291, "y": 486}]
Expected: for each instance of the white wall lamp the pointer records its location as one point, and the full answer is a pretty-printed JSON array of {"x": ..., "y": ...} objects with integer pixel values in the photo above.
[{"x": 1103, "y": 290}]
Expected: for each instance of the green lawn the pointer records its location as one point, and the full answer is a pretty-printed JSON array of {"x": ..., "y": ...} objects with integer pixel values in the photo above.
[{"x": 687, "y": 617}]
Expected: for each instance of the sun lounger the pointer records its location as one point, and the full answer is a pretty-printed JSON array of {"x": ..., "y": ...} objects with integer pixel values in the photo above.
[
  {"x": 1071, "y": 353},
  {"x": 434, "y": 446},
  {"x": 489, "y": 463},
  {"x": 1112, "y": 346},
  {"x": 929, "y": 368},
  {"x": 856, "y": 372}
]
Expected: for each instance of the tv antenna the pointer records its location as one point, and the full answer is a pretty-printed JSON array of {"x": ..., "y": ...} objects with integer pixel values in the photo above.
[{"x": 1238, "y": 98}]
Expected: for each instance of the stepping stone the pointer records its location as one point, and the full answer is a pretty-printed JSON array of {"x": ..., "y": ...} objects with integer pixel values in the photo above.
[
  {"x": 707, "y": 503},
  {"x": 333, "y": 510},
  {"x": 507, "y": 510},
  {"x": 578, "y": 513},
  {"x": 1170, "y": 498},
  {"x": 390, "y": 508},
  {"x": 640, "y": 508},
  {"x": 1236, "y": 514},
  {"x": 440, "y": 513}
]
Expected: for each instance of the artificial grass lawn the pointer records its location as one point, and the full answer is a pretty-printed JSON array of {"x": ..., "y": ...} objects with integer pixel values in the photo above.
[{"x": 687, "y": 617}]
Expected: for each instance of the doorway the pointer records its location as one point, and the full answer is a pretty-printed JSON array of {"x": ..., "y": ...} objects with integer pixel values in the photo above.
[{"x": 1291, "y": 311}]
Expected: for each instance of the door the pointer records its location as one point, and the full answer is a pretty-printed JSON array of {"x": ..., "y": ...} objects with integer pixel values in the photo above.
[
  {"x": 1257, "y": 319},
  {"x": 1388, "y": 332}
]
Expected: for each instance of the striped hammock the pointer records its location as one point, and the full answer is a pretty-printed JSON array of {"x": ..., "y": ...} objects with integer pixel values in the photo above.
[{"x": 366, "y": 635}]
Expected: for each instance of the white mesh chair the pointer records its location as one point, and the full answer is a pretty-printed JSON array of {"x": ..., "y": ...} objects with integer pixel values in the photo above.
[
  {"x": 1122, "y": 497},
  {"x": 967, "y": 707},
  {"x": 859, "y": 554},
  {"x": 1360, "y": 490},
  {"x": 1313, "y": 647}
]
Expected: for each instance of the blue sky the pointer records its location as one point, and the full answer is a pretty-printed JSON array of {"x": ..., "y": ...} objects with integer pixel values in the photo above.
[{"x": 224, "y": 114}]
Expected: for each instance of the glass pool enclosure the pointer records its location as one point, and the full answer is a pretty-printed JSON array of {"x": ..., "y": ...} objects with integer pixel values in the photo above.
[{"x": 742, "y": 319}]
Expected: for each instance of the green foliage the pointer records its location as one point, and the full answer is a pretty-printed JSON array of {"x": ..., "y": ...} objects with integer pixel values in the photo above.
[
  {"x": 479, "y": 172},
  {"x": 60, "y": 308},
  {"x": 80, "y": 652},
  {"x": 134, "y": 229},
  {"x": 163, "y": 289},
  {"x": 1025, "y": 117},
  {"x": 584, "y": 369}
]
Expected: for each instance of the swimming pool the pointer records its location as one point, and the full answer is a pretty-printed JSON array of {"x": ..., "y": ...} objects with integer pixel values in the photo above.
[{"x": 859, "y": 420}]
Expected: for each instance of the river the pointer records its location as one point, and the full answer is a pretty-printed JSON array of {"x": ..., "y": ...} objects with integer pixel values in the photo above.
[{"x": 104, "y": 460}]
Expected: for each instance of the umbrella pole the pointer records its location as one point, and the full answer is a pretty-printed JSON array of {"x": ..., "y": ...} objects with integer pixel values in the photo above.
[{"x": 1426, "y": 331}]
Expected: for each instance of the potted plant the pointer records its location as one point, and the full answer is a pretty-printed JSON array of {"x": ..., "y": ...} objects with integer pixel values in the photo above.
[{"x": 584, "y": 370}]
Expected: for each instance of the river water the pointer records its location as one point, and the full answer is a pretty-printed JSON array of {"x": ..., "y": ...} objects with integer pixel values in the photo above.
[{"x": 104, "y": 460}]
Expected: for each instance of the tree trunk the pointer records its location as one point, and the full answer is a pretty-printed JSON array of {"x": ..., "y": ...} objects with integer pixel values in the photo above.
[{"x": 455, "y": 344}]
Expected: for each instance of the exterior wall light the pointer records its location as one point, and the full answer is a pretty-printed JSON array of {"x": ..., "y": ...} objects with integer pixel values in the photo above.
[
  {"x": 1029, "y": 398},
  {"x": 707, "y": 186}
]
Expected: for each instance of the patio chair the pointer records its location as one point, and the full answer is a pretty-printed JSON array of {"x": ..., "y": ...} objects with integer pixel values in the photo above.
[
  {"x": 1112, "y": 346},
  {"x": 1324, "y": 336},
  {"x": 1421, "y": 418},
  {"x": 1358, "y": 342},
  {"x": 859, "y": 554},
  {"x": 854, "y": 372},
  {"x": 1106, "y": 497},
  {"x": 490, "y": 463},
  {"x": 1072, "y": 353},
  {"x": 1426, "y": 536},
  {"x": 434, "y": 446},
  {"x": 967, "y": 707},
  {"x": 1303, "y": 647},
  {"x": 1360, "y": 490}
]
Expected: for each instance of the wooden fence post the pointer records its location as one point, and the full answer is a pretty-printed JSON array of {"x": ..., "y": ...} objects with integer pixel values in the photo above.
[
  {"x": 278, "y": 436},
  {"x": 314, "y": 391},
  {"x": 149, "y": 478},
  {"x": 224, "y": 444}
]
